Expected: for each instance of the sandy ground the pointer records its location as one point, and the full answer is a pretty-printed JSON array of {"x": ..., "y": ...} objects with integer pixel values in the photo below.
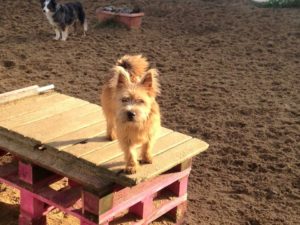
[{"x": 230, "y": 75}]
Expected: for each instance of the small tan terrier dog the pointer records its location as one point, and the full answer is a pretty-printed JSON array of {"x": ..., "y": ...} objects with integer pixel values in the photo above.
[{"x": 131, "y": 111}]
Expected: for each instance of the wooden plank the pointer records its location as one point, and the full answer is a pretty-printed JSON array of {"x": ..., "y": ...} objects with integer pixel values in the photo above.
[
  {"x": 108, "y": 148},
  {"x": 18, "y": 94},
  {"x": 90, "y": 145},
  {"x": 29, "y": 104},
  {"x": 45, "y": 112},
  {"x": 79, "y": 136},
  {"x": 24, "y": 92},
  {"x": 80, "y": 172},
  {"x": 164, "y": 143},
  {"x": 61, "y": 124},
  {"x": 167, "y": 160}
]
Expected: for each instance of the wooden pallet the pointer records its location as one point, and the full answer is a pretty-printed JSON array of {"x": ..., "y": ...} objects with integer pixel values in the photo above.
[
  {"x": 55, "y": 135},
  {"x": 112, "y": 204}
]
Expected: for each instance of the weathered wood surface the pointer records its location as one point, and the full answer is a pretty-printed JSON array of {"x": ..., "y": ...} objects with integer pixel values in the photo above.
[
  {"x": 24, "y": 92},
  {"x": 71, "y": 134},
  {"x": 17, "y": 94}
]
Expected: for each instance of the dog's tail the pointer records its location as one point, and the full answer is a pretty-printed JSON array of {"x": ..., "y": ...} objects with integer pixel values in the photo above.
[{"x": 135, "y": 65}]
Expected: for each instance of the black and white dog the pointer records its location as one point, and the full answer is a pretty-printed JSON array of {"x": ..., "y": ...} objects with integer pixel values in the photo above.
[{"x": 63, "y": 16}]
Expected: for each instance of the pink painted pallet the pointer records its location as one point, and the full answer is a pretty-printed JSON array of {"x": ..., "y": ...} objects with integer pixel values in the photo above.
[{"x": 164, "y": 195}]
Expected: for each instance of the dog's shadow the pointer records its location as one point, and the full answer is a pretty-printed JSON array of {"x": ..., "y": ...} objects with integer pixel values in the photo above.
[{"x": 80, "y": 141}]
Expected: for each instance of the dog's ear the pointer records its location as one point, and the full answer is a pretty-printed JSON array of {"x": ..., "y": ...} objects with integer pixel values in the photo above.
[
  {"x": 150, "y": 82},
  {"x": 123, "y": 80},
  {"x": 121, "y": 77}
]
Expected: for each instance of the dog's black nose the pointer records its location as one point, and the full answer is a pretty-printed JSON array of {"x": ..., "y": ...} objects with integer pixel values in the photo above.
[
  {"x": 130, "y": 115},
  {"x": 44, "y": 10}
]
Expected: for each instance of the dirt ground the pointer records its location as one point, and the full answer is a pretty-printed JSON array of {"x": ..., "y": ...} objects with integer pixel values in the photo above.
[{"x": 230, "y": 75}]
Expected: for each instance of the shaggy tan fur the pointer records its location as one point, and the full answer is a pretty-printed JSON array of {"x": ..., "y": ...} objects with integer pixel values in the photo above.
[{"x": 131, "y": 111}]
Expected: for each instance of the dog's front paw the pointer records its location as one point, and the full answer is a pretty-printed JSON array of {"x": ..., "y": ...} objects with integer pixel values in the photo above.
[
  {"x": 130, "y": 169},
  {"x": 56, "y": 38},
  {"x": 111, "y": 137},
  {"x": 146, "y": 160}
]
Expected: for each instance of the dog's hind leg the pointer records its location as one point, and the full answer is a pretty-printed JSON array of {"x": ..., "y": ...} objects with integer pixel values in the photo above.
[
  {"x": 75, "y": 28},
  {"x": 83, "y": 21},
  {"x": 57, "y": 34},
  {"x": 85, "y": 27}
]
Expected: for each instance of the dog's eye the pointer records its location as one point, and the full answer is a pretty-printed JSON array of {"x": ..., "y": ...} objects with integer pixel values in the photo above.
[
  {"x": 140, "y": 101},
  {"x": 124, "y": 100}
]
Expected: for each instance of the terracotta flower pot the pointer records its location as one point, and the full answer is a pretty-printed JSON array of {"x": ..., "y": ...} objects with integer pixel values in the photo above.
[
  {"x": 130, "y": 20},
  {"x": 103, "y": 16},
  {"x": 133, "y": 20}
]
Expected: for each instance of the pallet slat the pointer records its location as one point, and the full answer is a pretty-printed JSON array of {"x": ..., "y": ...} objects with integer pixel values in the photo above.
[
  {"x": 18, "y": 94},
  {"x": 169, "y": 159},
  {"x": 79, "y": 136},
  {"x": 62, "y": 123},
  {"x": 91, "y": 144},
  {"x": 44, "y": 112},
  {"x": 29, "y": 104},
  {"x": 109, "y": 152},
  {"x": 166, "y": 142},
  {"x": 77, "y": 171}
]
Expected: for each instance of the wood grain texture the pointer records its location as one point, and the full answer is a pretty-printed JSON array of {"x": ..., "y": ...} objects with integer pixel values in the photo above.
[
  {"x": 19, "y": 94},
  {"x": 76, "y": 170},
  {"x": 57, "y": 107},
  {"x": 167, "y": 160},
  {"x": 62, "y": 123},
  {"x": 111, "y": 151},
  {"x": 82, "y": 136},
  {"x": 163, "y": 144},
  {"x": 29, "y": 104}
]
